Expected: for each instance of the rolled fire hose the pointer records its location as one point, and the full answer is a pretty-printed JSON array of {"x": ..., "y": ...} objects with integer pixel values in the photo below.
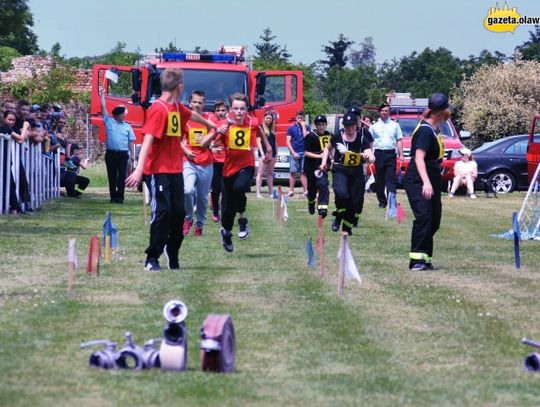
[{"x": 218, "y": 346}]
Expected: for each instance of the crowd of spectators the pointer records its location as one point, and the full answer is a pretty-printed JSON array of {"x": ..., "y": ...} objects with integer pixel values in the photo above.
[{"x": 43, "y": 125}]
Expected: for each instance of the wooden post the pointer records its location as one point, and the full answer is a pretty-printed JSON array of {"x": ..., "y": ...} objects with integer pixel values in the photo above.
[
  {"x": 107, "y": 248},
  {"x": 341, "y": 274},
  {"x": 93, "y": 256},
  {"x": 320, "y": 246},
  {"x": 72, "y": 264}
]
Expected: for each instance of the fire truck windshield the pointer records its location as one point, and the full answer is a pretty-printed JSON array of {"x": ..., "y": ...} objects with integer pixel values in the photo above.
[
  {"x": 214, "y": 83},
  {"x": 409, "y": 124}
]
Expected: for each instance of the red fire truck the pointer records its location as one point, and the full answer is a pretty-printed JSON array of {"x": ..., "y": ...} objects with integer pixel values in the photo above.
[
  {"x": 218, "y": 74},
  {"x": 533, "y": 147}
]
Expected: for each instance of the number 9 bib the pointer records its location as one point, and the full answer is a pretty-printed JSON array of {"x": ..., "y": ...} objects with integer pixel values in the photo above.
[
  {"x": 174, "y": 127},
  {"x": 239, "y": 138},
  {"x": 352, "y": 159}
]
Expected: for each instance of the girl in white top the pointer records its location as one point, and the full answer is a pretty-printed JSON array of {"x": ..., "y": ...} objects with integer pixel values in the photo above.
[{"x": 465, "y": 172}]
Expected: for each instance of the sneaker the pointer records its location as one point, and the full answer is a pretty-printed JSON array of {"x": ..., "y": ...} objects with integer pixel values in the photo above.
[
  {"x": 311, "y": 207},
  {"x": 197, "y": 231},
  {"x": 243, "y": 229},
  {"x": 473, "y": 196},
  {"x": 226, "y": 240},
  {"x": 419, "y": 267},
  {"x": 452, "y": 195},
  {"x": 215, "y": 216},
  {"x": 336, "y": 223},
  {"x": 187, "y": 226},
  {"x": 382, "y": 205},
  {"x": 152, "y": 264},
  {"x": 172, "y": 259},
  {"x": 259, "y": 196},
  {"x": 430, "y": 266},
  {"x": 323, "y": 213},
  {"x": 290, "y": 194}
]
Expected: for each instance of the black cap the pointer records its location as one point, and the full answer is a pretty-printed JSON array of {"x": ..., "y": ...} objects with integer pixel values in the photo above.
[
  {"x": 320, "y": 119},
  {"x": 355, "y": 110},
  {"x": 118, "y": 110},
  {"x": 438, "y": 101},
  {"x": 75, "y": 147},
  {"x": 349, "y": 119},
  {"x": 383, "y": 105}
]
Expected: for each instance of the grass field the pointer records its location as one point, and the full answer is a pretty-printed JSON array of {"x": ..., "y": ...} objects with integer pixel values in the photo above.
[{"x": 448, "y": 337}]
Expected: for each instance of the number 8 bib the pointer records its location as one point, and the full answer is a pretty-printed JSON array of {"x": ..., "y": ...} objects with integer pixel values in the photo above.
[
  {"x": 239, "y": 138},
  {"x": 352, "y": 159}
]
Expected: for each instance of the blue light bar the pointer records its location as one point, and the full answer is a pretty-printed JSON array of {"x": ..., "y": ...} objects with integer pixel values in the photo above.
[{"x": 193, "y": 57}]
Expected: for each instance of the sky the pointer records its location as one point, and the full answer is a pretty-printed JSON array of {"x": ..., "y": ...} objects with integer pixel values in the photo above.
[{"x": 85, "y": 28}]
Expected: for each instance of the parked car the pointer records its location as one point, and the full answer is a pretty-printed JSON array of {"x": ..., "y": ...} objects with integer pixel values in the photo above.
[
  {"x": 503, "y": 163},
  {"x": 281, "y": 169}
]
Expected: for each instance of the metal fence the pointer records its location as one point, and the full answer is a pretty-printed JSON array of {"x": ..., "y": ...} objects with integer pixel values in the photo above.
[{"x": 41, "y": 171}]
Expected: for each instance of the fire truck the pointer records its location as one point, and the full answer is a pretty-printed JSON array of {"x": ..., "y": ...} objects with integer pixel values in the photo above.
[
  {"x": 533, "y": 147},
  {"x": 408, "y": 112},
  {"x": 219, "y": 74}
]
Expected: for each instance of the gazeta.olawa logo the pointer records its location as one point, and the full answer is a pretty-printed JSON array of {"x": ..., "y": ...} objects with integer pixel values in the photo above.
[{"x": 506, "y": 19}]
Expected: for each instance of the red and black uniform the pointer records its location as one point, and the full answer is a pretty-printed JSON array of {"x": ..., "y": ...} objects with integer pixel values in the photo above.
[
  {"x": 348, "y": 180},
  {"x": 427, "y": 212},
  {"x": 317, "y": 187},
  {"x": 163, "y": 176},
  {"x": 238, "y": 168}
]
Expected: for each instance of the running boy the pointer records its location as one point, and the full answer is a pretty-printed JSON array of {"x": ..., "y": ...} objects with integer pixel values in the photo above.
[
  {"x": 160, "y": 160},
  {"x": 239, "y": 140}
]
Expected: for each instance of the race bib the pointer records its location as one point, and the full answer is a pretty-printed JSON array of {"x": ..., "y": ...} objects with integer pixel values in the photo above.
[
  {"x": 352, "y": 159},
  {"x": 174, "y": 127},
  {"x": 240, "y": 138},
  {"x": 195, "y": 136},
  {"x": 440, "y": 142},
  {"x": 324, "y": 140}
]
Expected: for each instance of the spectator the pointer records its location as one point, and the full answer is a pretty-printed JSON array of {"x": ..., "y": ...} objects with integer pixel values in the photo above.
[
  {"x": 295, "y": 142},
  {"x": 23, "y": 113},
  {"x": 74, "y": 183},
  {"x": 269, "y": 129},
  {"x": 465, "y": 172},
  {"x": 7, "y": 105},
  {"x": 388, "y": 138},
  {"x": 119, "y": 146}
]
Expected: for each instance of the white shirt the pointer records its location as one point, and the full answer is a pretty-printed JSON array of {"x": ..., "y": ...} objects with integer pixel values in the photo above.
[
  {"x": 463, "y": 168},
  {"x": 385, "y": 134}
]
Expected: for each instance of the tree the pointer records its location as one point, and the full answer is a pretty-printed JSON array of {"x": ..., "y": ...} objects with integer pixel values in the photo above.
[
  {"x": 170, "y": 48},
  {"x": 344, "y": 87},
  {"x": 268, "y": 51},
  {"x": 336, "y": 52},
  {"x": 530, "y": 50},
  {"x": 6, "y": 56},
  {"x": 499, "y": 100},
  {"x": 422, "y": 73},
  {"x": 472, "y": 64},
  {"x": 15, "y": 22},
  {"x": 365, "y": 55}
]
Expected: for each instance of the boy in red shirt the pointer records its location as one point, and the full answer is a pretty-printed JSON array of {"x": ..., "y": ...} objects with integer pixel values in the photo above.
[
  {"x": 218, "y": 152},
  {"x": 160, "y": 160},
  {"x": 239, "y": 140}
]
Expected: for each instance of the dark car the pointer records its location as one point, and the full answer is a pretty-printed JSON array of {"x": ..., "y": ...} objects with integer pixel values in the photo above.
[{"x": 503, "y": 163}]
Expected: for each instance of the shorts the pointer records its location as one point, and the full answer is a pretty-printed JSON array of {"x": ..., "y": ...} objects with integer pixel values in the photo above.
[{"x": 297, "y": 165}]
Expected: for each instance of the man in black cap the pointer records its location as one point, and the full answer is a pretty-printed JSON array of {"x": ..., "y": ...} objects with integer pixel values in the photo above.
[
  {"x": 388, "y": 139},
  {"x": 119, "y": 145},
  {"x": 317, "y": 181}
]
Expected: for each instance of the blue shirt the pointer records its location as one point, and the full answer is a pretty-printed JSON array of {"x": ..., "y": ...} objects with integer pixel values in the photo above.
[
  {"x": 296, "y": 134},
  {"x": 385, "y": 134},
  {"x": 118, "y": 134}
]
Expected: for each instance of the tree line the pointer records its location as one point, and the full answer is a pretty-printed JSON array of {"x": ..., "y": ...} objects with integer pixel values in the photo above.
[{"x": 346, "y": 75}]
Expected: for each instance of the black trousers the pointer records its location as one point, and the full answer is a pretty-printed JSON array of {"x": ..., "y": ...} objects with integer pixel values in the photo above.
[
  {"x": 318, "y": 185},
  {"x": 216, "y": 185},
  {"x": 75, "y": 184},
  {"x": 349, "y": 188},
  {"x": 427, "y": 214},
  {"x": 167, "y": 203},
  {"x": 116, "y": 162},
  {"x": 385, "y": 173},
  {"x": 234, "y": 196}
]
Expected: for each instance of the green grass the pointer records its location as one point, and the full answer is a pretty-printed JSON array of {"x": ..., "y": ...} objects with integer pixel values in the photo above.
[{"x": 449, "y": 337}]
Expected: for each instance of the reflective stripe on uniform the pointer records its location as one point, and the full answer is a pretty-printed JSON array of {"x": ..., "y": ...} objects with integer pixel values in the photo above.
[{"x": 418, "y": 256}]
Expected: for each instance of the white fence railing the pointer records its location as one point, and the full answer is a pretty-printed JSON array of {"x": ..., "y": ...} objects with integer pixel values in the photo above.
[{"x": 42, "y": 173}]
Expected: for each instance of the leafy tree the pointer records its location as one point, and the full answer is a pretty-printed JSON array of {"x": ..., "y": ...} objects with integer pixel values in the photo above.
[
  {"x": 6, "y": 56},
  {"x": 15, "y": 22},
  {"x": 268, "y": 51},
  {"x": 344, "y": 87},
  {"x": 473, "y": 63},
  {"x": 365, "y": 55},
  {"x": 422, "y": 73},
  {"x": 170, "y": 48},
  {"x": 530, "y": 50},
  {"x": 499, "y": 100},
  {"x": 336, "y": 52}
]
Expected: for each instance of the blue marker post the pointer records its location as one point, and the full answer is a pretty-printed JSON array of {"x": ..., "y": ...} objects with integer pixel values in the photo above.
[{"x": 517, "y": 238}]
